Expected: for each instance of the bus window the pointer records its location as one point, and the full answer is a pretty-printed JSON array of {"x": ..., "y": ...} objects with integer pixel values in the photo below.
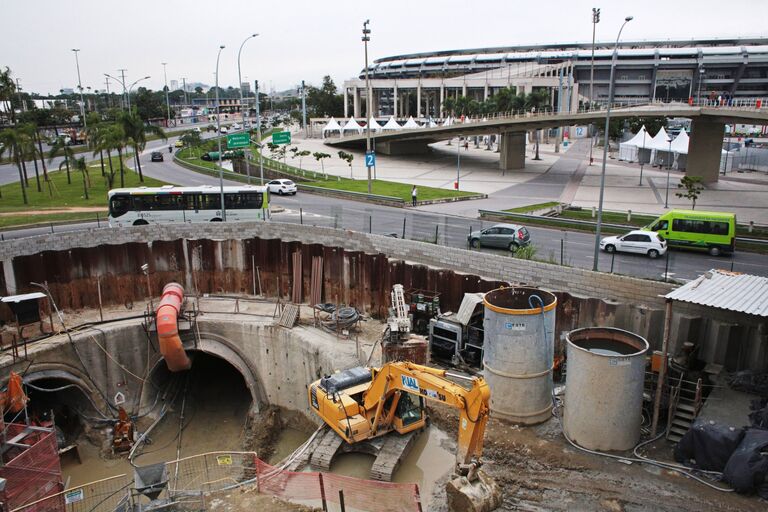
[
  {"x": 210, "y": 201},
  {"x": 167, "y": 202},
  {"x": 119, "y": 205},
  {"x": 252, "y": 200}
]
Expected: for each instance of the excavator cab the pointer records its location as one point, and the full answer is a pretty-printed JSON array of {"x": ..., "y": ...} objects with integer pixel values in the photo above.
[{"x": 410, "y": 411}]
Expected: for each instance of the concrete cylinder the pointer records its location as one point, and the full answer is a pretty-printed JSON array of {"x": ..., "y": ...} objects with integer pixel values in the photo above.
[
  {"x": 519, "y": 347},
  {"x": 604, "y": 388}
]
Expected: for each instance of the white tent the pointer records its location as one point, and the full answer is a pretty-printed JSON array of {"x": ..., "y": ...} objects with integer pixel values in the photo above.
[
  {"x": 448, "y": 121},
  {"x": 430, "y": 123},
  {"x": 391, "y": 124},
  {"x": 375, "y": 127},
  {"x": 680, "y": 150},
  {"x": 331, "y": 127},
  {"x": 628, "y": 151},
  {"x": 411, "y": 124},
  {"x": 660, "y": 154},
  {"x": 352, "y": 126}
]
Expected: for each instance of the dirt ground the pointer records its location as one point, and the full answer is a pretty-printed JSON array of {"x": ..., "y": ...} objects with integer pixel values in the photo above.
[
  {"x": 538, "y": 470},
  {"x": 246, "y": 501}
]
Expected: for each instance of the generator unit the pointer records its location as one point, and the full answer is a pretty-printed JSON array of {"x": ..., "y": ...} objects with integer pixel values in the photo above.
[{"x": 459, "y": 337}]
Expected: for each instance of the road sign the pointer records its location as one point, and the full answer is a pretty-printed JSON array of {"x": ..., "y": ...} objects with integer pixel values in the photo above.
[
  {"x": 281, "y": 137},
  {"x": 238, "y": 140},
  {"x": 370, "y": 159}
]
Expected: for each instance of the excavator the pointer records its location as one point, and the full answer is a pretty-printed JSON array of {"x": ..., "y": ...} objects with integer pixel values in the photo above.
[{"x": 362, "y": 403}]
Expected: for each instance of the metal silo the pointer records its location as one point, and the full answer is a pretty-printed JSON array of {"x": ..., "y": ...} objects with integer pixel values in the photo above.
[
  {"x": 519, "y": 352},
  {"x": 604, "y": 388}
]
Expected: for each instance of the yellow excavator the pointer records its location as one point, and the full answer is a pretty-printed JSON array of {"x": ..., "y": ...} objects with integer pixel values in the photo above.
[{"x": 363, "y": 403}]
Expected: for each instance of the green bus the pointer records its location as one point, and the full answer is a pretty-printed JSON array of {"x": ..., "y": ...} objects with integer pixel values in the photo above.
[{"x": 714, "y": 232}]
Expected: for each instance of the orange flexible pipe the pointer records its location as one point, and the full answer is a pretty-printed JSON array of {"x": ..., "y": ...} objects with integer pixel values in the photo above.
[{"x": 168, "y": 330}]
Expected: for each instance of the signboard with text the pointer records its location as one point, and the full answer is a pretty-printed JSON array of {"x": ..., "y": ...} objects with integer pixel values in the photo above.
[
  {"x": 238, "y": 140},
  {"x": 281, "y": 137}
]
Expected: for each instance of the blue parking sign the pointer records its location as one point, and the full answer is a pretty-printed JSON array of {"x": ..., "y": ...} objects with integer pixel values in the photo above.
[{"x": 370, "y": 159}]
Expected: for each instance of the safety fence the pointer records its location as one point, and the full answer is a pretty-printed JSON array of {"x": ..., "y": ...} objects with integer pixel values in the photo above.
[{"x": 190, "y": 483}]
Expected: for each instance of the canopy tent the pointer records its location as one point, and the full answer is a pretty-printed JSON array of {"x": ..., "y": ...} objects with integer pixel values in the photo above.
[
  {"x": 391, "y": 125},
  {"x": 659, "y": 145},
  {"x": 375, "y": 127},
  {"x": 680, "y": 150},
  {"x": 411, "y": 124},
  {"x": 352, "y": 126},
  {"x": 448, "y": 121},
  {"x": 430, "y": 123},
  {"x": 331, "y": 127},
  {"x": 628, "y": 151}
]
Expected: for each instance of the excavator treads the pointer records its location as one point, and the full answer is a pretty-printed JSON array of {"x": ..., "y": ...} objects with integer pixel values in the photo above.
[
  {"x": 393, "y": 450},
  {"x": 326, "y": 449}
]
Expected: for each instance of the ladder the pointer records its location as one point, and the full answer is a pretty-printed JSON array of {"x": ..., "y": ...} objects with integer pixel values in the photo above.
[{"x": 685, "y": 402}]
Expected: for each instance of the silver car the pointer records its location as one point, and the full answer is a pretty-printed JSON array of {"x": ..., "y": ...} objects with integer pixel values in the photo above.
[{"x": 503, "y": 236}]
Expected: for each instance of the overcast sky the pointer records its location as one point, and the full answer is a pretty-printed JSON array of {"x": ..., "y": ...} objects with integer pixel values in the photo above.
[{"x": 306, "y": 39}]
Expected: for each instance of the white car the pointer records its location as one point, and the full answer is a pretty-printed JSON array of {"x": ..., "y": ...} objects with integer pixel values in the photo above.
[
  {"x": 224, "y": 129},
  {"x": 236, "y": 127},
  {"x": 282, "y": 187},
  {"x": 638, "y": 242}
]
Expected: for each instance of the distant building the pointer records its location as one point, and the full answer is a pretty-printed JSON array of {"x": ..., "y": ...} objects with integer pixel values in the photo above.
[
  {"x": 174, "y": 85},
  {"x": 67, "y": 90},
  {"x": 246, "y": 88}
]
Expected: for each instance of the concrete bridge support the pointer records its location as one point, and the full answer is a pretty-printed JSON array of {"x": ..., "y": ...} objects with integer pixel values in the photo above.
[
  {"x": 705, "y": 149},
  {"x": 512, "y": 151},
  {"x": 403, "y": 147}
]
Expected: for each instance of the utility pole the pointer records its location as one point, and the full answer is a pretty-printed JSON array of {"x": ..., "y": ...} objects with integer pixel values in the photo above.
[
  {"x": 368, "y": 98},
  {"x": 106, "y": 82},
  {"x": 18, "y": 92},
  {"x": 126, "y": 101},
  {"x": 218, "y": 138},
  {"x": 80, "y": 86},
  {"x": 304, "y": 109},
  {"x": 167, "y": 102},
  {"x": 258, "y": 132},
  {"x": 595, "y": 21},
  {"x": 186, "y": 100}
]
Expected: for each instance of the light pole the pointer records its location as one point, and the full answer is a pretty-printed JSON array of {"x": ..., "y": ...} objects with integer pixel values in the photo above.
[
  {"x": 126, "y": 103},
  {"x": 80, "y": 87},
  {"x": 218, "y": 138},
  {"x": 595, "y": 21},
  {"x": 167, "y": 102},
  {"x": 240, "y": 82},
  {"x": 304, "y": 109},
  {"x": 458, "y": 162},
  {"x": 368, "y": 98},
  {"x": 645, "y": 133},
  {"x": 186, "y": 99},
  {"x": 605, "y": 148},
  {"x": 669, "y": 168},
  {"x": 131, "y": 87}
]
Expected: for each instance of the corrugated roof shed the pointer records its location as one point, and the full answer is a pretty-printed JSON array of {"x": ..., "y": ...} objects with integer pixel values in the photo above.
[{"x": 732, "y": 291}]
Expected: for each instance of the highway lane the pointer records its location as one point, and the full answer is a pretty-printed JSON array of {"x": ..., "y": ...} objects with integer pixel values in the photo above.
[{"x": 554, "y": 245}]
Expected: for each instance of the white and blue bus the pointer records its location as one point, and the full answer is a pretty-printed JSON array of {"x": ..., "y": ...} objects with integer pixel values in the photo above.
[{"x": 170, "y": 204}]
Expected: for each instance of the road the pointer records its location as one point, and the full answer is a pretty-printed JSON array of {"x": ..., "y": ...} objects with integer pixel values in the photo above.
[{"x": 557, "y": 246}]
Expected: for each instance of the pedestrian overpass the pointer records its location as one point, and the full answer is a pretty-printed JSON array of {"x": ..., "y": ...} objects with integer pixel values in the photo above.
[{"x": 707, "y": 129}]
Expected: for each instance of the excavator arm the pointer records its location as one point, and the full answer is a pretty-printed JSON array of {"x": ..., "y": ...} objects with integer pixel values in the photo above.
[{"x": 433, "y": 384}]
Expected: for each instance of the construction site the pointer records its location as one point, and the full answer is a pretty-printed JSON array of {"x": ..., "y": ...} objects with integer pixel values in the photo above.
[{"x": 270, "y": 366}]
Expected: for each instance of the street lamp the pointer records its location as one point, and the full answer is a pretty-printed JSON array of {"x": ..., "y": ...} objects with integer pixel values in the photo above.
[
  {"x": 131, "y": 87},
  {"x": 595, "y": 21},
  {"x": 218, "y": 138},
  {"x": 240, "y": 84},
  {"x": 669, "y": 168},
  {"x": 368, "y": 98},
  {"x": 80, "y": 87},
  {"x": 645, "y": 133},
  {"x": 605, "y": 148},
  {"x": 167, "y": 103},
  {"x": 458, "y": 162}
]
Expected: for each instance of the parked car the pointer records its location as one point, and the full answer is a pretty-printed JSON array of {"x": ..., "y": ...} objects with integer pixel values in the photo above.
[
  {"x": 156, "y": 156},
  {"x": 638, "y": 242},
  {"x": 196, "y": 129},
  {"x": 504, "y": 236},
  {"x": 179, "y": 143},
  {"x": 236, "y": 126},
  {"x": 282, "y": 187},
  {"x": 224, "y": 129}
]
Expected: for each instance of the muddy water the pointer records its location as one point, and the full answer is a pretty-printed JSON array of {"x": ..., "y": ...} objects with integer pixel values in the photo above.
[
  {"x": 214, "y": 416},
  {"x": 432, "y": 457}
]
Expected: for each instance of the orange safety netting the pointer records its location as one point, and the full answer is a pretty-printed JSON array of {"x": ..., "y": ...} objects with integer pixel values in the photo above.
[
  {"x": 32, "y": 469},
  {"x": 359, "y": 494}
]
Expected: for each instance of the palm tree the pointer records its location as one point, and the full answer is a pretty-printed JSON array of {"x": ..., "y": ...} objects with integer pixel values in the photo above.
[
  {"x": 83, "y": 168},
  {"x": 112, "y": 138},
  {"x": 535, "y": 101},
  {"x": 27, "y": 132},
  {"x": 136, "y": 131},
  {"x": 10, "y": 142},
  {"x": 60, "y": 147},
  {"x": 7, "y": 90},
  {"x": 95, "y": 124}
]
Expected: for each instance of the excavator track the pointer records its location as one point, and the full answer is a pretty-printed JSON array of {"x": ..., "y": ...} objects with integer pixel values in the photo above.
[
  {"x": 393, "y": 450},
  {"x": 326, "y": 449}
]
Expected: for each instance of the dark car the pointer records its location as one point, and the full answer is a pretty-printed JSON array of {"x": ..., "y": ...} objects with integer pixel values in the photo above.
[{"x": 157, "y": 156}]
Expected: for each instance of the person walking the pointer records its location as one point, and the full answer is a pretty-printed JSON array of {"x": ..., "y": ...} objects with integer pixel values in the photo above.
[{"x": 414, "y": 193}]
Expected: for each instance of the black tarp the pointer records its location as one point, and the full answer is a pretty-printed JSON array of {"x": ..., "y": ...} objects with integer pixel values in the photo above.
[
  {"x": 708, "y": 446},
  {"x": 747, "y": 468}
]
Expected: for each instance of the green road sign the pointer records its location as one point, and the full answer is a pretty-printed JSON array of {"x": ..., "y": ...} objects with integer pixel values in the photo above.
[
  {"x": 238, "y": 140},
  {"x": 281, "y": 137}
]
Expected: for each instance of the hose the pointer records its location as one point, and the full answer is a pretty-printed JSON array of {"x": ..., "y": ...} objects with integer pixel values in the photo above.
[{"x": 343, "y": 318}]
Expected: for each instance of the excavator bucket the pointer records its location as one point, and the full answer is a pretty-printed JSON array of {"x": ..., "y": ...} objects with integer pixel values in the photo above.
[{"x": 481, "y": 494}]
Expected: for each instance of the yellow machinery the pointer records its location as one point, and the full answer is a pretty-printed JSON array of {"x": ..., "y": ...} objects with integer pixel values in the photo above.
[{"x": 363, "y": 403}]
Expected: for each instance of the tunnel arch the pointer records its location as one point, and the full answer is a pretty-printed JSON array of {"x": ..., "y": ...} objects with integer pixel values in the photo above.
[{"x": 63, "y": 372}]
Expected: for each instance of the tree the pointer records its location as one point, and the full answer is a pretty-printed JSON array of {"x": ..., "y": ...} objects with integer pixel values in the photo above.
[
  {"x": 149, "y": 105},
  {"x": 112, "y": 138},
  {"x": 325, "y": 101},
  {"x": 9, "y": 142},
  {"x": 7, "y": 91},
  {"x": 81, "y": 166},
  {"x": 319, "y": 156},
  {"x": 60, "y": 147},
  {"x": 537, "y": 101},
  {"x": 449, "y": 106},
  {"x": 347, "y": 157},
  {"x": 136, "y": 132},
  {"x": 652, "y": 124},
  {"x": 192, "y": 140},
  {"x": 29, "y": 150},
  {"x": 692, "y": 189},
  {"x": 301, "y": 155}
]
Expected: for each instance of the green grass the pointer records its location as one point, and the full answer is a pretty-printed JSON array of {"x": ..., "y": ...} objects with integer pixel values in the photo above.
[
  {"x": 60, "y": 194},
  {"x": 533, "y": 207},
  {"x": 388, "y": 188},
  {"x": 7, "y": 221}
]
